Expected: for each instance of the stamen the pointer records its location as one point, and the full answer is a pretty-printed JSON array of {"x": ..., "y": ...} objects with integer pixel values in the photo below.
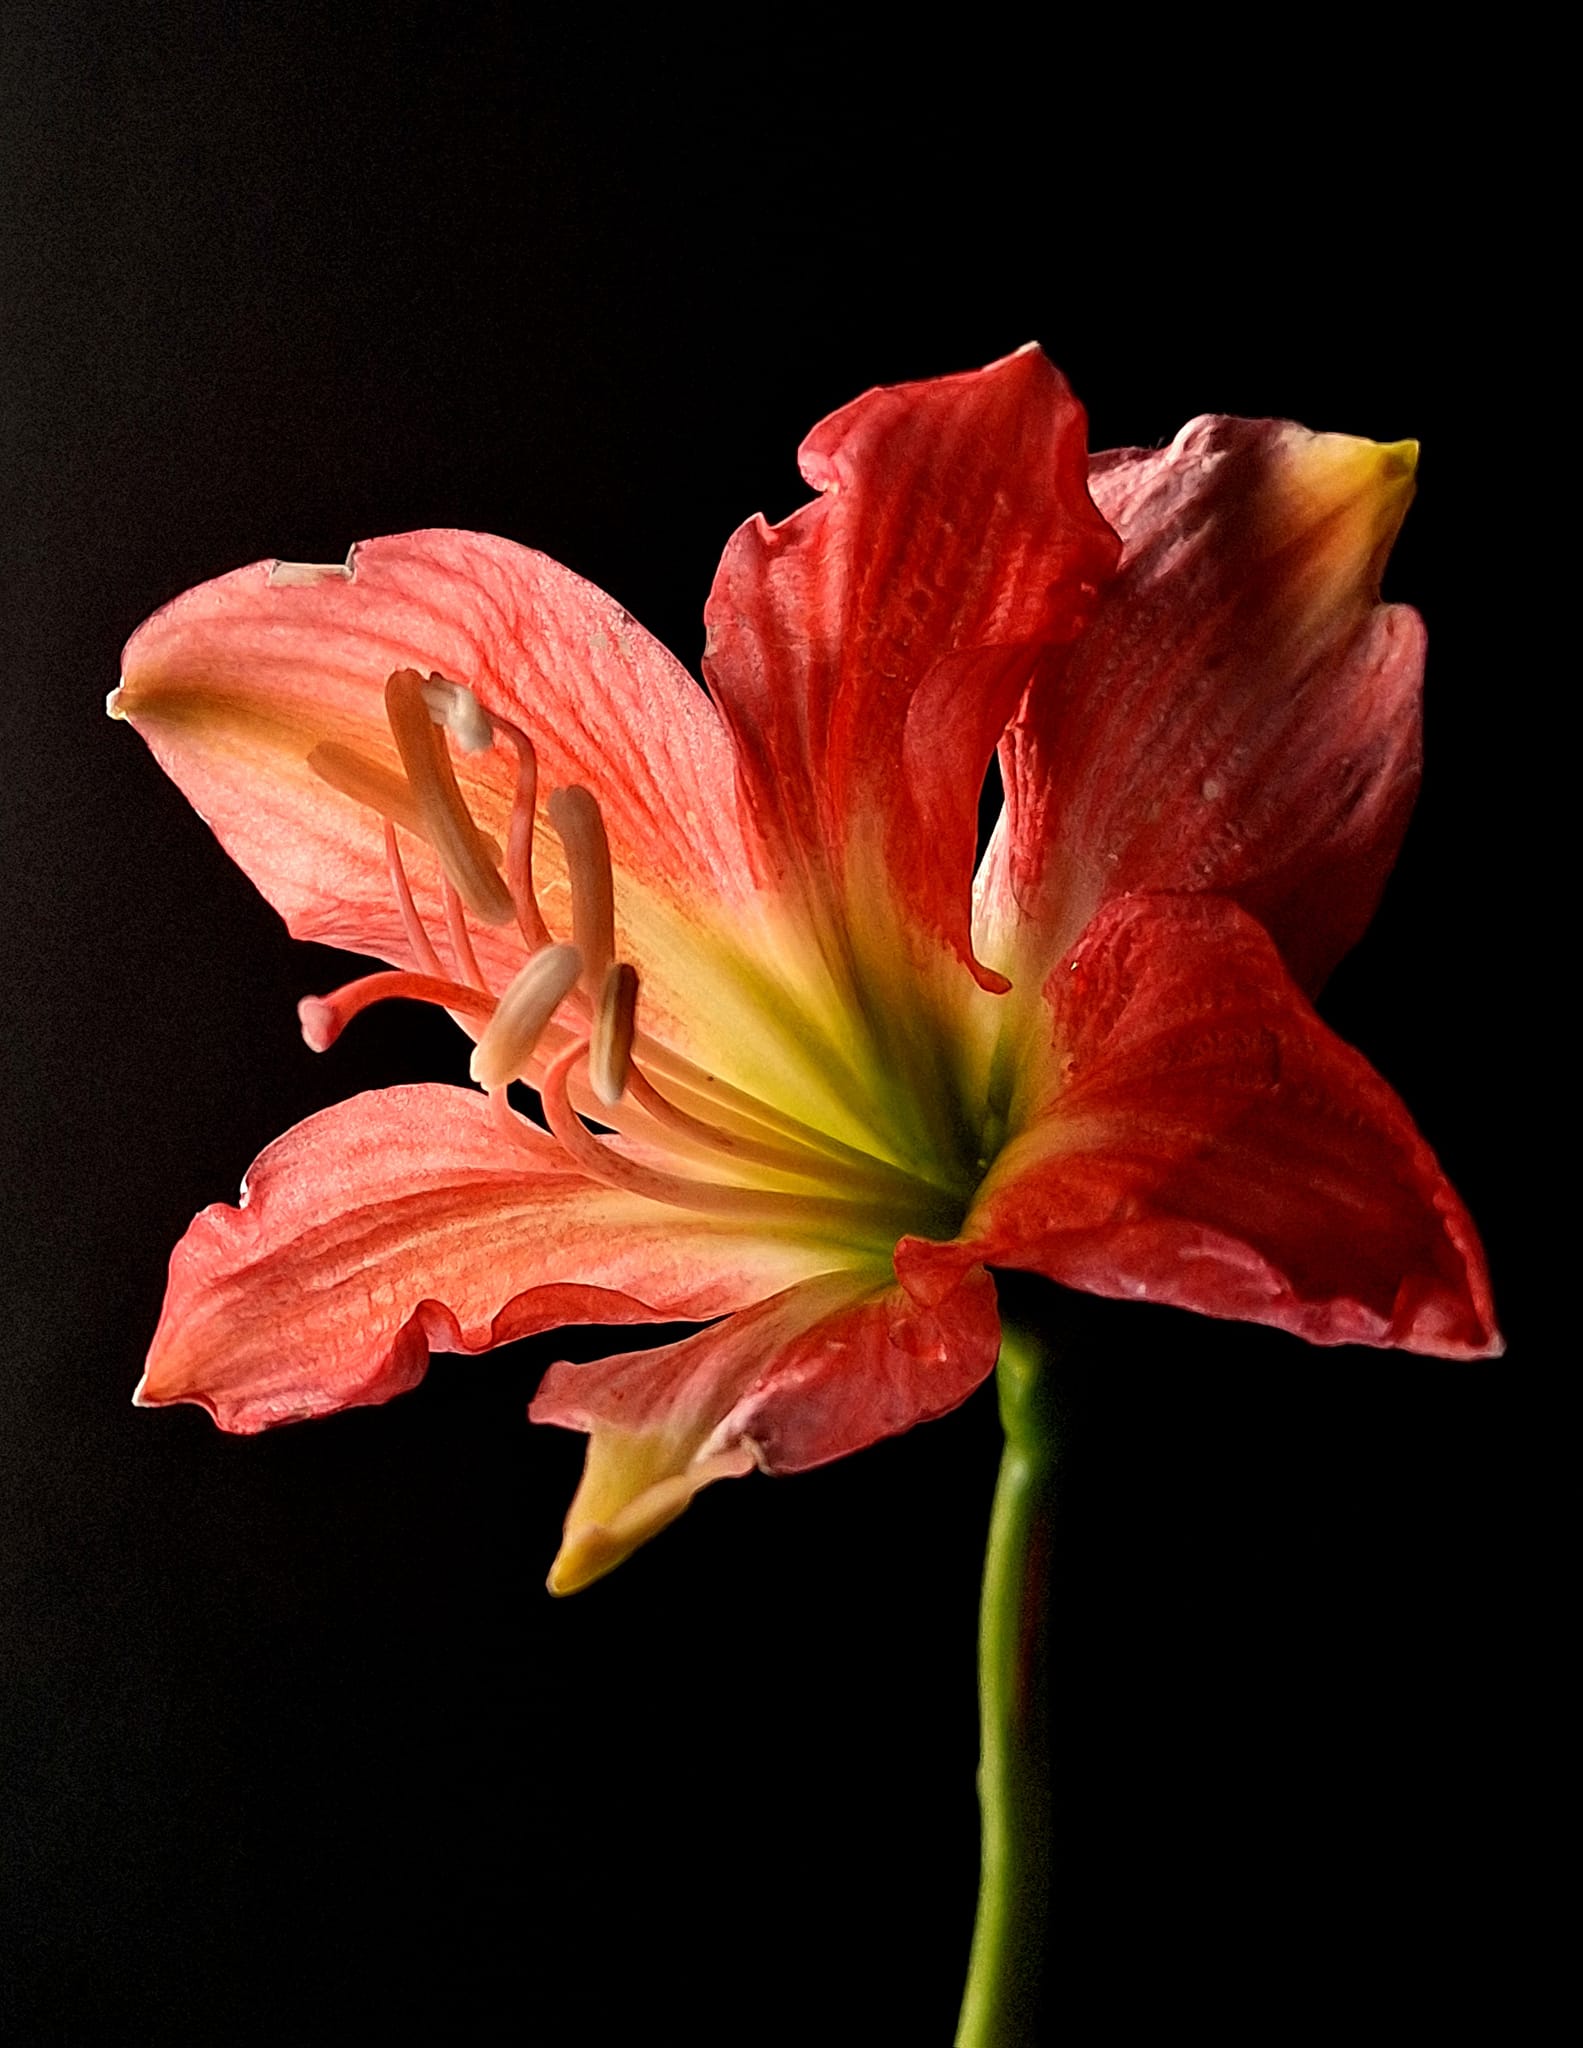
[
  {"x": 522, "y": 1013},
  {"x": 610, "y": 1049},
  {"x": 601, "y": 1162},
  {"x": 575, "y": 815},
  {"x": 324, "y": 1018},
  {"x": 447, "y": 822},
  {"x": 467, "y": 968},
  {"x": 417, "y": 938},
  {"x": 455, "y": 707}
]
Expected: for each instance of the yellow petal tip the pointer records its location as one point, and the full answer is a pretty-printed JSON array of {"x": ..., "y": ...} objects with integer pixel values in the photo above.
[
  {"x": 1398, "y": 460},
  {"x": 633, "y": 1485},
  {"x": 583, "y": 1558}
]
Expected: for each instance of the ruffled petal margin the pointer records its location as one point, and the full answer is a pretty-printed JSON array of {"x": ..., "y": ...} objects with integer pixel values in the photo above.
[
  {"x": 405, "y": 1221},
  {"x": 1241, "y": 716},
  {"x": 235, "y": 683},
  {"x": 1211, "y": 1144},
  {"x": 826, "y": 1368},
  {"x": 868, "y": 651}
]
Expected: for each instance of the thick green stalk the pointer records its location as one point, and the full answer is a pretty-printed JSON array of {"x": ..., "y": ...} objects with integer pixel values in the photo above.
[{"x": 1004, "y": 1981}]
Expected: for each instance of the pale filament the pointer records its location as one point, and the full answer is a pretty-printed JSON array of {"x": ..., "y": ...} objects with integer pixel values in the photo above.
[
  {"x": 699, "y": 1136},
  {"x": 569, "y": 1018},
  {"x": 617, "y": 1170},
  {"x": 467, "y": 968},
  {"x": 519, "y": 839},
  {"x": 417, "y": 937}
]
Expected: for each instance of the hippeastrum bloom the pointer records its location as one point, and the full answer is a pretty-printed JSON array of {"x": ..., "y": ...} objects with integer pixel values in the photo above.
[{"x": 801, "y": 1078}]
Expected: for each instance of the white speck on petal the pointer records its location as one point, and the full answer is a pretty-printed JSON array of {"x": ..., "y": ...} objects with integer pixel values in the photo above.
[{"x": 294, "y": 575}]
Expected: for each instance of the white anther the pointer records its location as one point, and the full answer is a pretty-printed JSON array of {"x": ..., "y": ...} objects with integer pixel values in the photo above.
[
  {"x": 522, "y": 1014},
  {"x": 455, "y": 707},
  {"x": 615, "y": 1021}
]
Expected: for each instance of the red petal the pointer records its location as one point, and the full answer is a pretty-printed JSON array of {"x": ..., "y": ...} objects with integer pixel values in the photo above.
[
  {"x": 234, "y": 683},
  {"x": 405, "y": 1220},
  {"x": 1213, "y": 1145},
  {"x": 1241, "y": 715},
  {"x": 868, "y": 651},
  {"x": 827, "y": 1367}
]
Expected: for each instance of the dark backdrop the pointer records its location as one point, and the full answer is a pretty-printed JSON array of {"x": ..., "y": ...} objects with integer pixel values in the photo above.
[{"x": 299, "y": 1751}]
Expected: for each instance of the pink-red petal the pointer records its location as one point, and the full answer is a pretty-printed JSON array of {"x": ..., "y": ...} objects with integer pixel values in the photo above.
[
  {"x": 825, "y": 1368},
  {"x": 868, "y": 651},
  {"x": 1208, "y": 1142},
  {"x": 1241, "y": 715},
  {"x": 405, "y": 1221}
]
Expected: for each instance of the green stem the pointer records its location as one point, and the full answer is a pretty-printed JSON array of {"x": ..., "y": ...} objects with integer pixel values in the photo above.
[{"x": 1002, "y": 2006}]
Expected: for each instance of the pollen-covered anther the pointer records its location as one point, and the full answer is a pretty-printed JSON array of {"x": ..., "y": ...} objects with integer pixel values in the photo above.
[
  {"x": 522, "y": 1014},
  {"x": 615, "y": 1021},
  {"x": 454, "y": 706},
  {"x": 447, "y": 822},
  {"x": 575, "y": 814}
]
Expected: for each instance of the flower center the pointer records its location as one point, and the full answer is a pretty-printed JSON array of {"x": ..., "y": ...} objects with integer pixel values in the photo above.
[{"x": 568, "y": 1022}]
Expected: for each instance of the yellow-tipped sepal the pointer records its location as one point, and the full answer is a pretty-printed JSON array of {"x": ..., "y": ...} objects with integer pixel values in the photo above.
[
  {"x": 1342, "y": 501},
  {"x": 633, "y": 1484}
]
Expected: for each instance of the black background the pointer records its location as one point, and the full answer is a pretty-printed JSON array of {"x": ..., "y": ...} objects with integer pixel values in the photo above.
[{"x": 297, "y": 1748}]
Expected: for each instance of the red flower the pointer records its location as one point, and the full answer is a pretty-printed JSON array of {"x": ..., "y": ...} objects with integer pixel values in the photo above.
[{"x": 839, "y": 1081}]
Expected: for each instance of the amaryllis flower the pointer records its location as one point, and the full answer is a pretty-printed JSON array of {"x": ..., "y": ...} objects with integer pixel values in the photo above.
[{"x": 800, "y": 1078}]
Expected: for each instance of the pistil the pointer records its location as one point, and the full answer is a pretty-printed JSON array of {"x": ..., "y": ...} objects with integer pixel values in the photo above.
[
  {"x": 417, "y": 937},
  {"x": 466, "y": 960},
  {"x": 324, "y": 1018}
]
